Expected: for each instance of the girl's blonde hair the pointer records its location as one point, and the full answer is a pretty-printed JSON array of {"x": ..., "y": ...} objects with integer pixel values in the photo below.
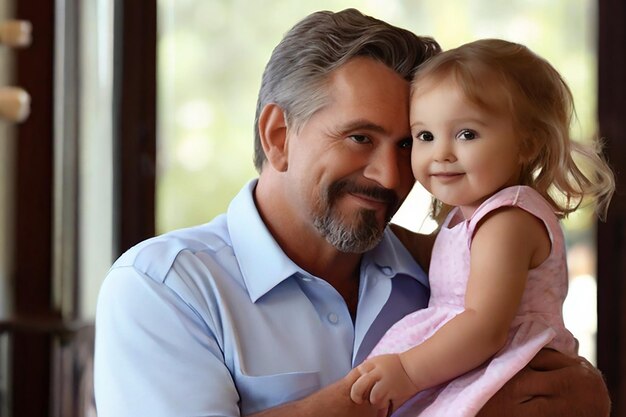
[{"x": 541, "y": 105}]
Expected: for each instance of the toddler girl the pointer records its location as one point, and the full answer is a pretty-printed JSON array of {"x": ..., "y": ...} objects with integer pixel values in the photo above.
[{"x": 490, "y": 122}]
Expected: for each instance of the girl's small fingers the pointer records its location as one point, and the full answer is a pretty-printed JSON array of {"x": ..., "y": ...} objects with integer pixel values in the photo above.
[
  {"x": 360, "y": 389},
  {"x": 378, "y": 396},
  {"x": 365, "y": 367}
]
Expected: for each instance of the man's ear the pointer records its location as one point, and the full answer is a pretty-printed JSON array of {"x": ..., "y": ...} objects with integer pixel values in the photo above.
[{"x": 273, "y": 133}]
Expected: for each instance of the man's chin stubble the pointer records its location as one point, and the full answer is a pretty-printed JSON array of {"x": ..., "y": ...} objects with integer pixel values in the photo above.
[{"x": 359, "y": 238}]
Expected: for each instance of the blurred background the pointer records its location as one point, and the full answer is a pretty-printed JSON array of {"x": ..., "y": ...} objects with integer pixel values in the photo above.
[{"x": 141, "y": 121}]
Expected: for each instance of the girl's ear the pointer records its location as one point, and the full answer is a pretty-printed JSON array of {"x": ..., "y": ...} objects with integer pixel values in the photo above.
[
  {"x": 273, "y": 133},
  {"x": 528, "y": 150}
]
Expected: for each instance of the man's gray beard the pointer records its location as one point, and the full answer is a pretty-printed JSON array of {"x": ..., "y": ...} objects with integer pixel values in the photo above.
[{"x": 363, "y": 235}]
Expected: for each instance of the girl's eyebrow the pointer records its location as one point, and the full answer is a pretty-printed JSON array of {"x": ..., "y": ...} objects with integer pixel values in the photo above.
[
  {"x": 461, "y": 120},
  {"x": 476, "y": 120},
  {"x": 416, "y": 124}
]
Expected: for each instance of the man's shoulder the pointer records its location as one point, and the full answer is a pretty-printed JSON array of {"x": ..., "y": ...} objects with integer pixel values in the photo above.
[{"x": 155, "y": 257}]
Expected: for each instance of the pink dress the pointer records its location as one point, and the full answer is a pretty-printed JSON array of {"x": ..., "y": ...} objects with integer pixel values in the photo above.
[{"x": 538, "y": 323}]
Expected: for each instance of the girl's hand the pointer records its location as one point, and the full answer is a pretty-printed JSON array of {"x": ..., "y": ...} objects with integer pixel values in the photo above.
[{"x": 384, "y": 382}]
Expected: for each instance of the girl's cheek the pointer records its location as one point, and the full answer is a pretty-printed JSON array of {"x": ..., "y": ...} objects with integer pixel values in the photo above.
[{"x": 416, "y": 163}]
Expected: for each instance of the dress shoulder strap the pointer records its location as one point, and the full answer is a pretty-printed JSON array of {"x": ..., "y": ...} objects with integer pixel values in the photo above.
[{"x": 520, "y": 196}]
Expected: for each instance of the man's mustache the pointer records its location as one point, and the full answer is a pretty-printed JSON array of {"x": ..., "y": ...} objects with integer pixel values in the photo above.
[{"x": 377, "y": 193}]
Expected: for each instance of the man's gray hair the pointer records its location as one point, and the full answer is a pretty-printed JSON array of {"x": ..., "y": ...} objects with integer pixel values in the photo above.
[{"x": 299, "y": 67}]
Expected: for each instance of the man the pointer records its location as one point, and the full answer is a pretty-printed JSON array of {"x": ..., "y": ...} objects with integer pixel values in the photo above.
[{"x": 265, "y": 310}]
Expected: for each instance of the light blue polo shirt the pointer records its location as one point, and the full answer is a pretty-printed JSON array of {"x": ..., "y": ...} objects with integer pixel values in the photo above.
[{"x": 216, "y": 320}]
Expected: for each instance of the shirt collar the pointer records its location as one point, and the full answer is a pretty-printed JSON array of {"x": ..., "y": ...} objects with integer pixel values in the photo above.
[
  {"x": 392, "y": 257},
  {"x": 264, "y": 265},
  {"x": 262, "y": 262}
]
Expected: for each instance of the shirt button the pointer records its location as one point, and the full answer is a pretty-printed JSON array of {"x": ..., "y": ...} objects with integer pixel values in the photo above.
[
  {"x": 332, "y": 317},
  {"x": 387, "y": 271},
  {"x": 307, "y": 279}
]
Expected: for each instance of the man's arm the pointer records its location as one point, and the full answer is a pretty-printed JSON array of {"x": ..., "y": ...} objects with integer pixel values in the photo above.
[
  {"x": 331, "y": 401},
  {"x": 553, "y": 385}
]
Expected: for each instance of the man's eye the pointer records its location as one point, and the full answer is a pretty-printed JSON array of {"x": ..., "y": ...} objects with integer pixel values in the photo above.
[
  {"x": 425, "y": 136},
  {"x": 360, "y": 138},
  {"x": 466, "y": 134},
  {"x": 406, "y": 143}
]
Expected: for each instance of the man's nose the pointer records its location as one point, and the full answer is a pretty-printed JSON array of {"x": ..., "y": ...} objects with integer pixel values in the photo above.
[{"x": 385, "y": 168}]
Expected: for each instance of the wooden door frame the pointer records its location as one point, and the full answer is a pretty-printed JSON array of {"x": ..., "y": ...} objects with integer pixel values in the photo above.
[
  {"x": 611, "y": 235},
  {"x": 38, "y": 323},
  {"x": 32, "y": 264},
  {"x": 135, "y": 90}
]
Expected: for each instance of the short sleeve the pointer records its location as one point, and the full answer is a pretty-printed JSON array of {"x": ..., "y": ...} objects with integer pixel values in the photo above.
[{"x": 154, "y": 355}]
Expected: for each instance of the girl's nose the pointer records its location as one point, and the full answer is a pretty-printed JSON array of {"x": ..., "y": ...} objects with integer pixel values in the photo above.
[{"x": 444, "y": 151}]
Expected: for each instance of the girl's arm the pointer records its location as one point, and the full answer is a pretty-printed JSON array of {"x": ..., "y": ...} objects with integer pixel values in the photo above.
[{"x": 506, "y": 244}]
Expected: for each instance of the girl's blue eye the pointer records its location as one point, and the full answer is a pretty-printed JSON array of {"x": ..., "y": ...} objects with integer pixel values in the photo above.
[
  {"x": 466, "y": 134},
  {"x": 425, "y": 136}
]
